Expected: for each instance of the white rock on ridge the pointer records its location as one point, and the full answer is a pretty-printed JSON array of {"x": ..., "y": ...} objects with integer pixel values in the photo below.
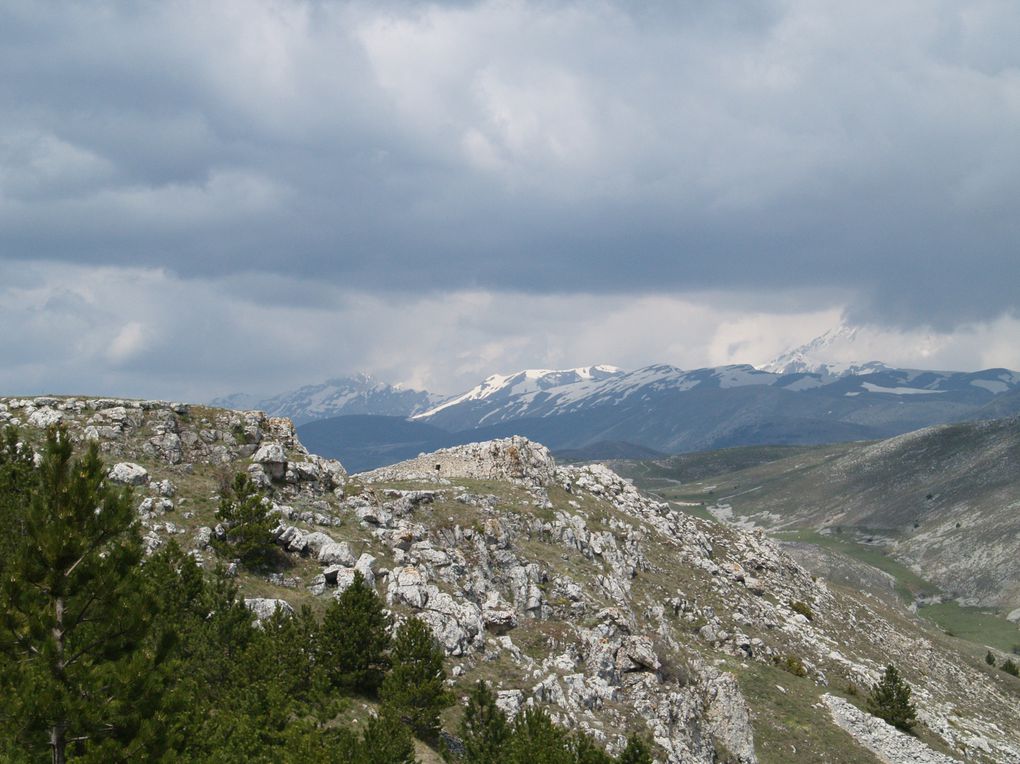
[
  {"x": 45, "y": 417},
  {"x": 128, "y": 473},
  {"x": 516, "y": 459}
]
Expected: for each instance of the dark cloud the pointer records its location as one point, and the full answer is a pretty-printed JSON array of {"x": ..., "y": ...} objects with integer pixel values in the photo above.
[{"x": 532, "y": 147}]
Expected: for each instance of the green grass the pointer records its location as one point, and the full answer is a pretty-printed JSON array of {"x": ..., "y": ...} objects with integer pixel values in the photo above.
[
  {"x": 908, "y": 583},
  {"x": 695, "y": 510},
  {"x": 789, "y": 727},
  {"x": 974, "y": 624}
]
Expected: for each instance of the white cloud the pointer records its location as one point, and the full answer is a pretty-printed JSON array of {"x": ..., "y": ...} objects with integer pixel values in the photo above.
[
  {"x": 549, "y": 183},
  {"x": 146, "y": 332},
  {"x": 128, "y": 342}
]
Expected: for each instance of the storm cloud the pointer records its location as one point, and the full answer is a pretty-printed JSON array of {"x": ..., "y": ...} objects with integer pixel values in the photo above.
[{"x": 284, "y": 152}]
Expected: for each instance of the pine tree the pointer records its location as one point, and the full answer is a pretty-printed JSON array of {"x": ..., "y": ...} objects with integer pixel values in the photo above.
[
  {"x": 890, "y": 700},
  {"x": 587, "y": 751},
  {"x": 351, "y": 645},
  {"x": 636, "y": 752},
  {"x": 989, "y": 658},
  {"x": 537, "y": 740},
  {"x": 249, "y": 527},
  {"x": 415, "y": 688},
  {"x": 17, "y": 477},
  {"x": 385, "y": 741},
  {"x": 73, "y": 614},
  {"x": 484, "y": 730}
]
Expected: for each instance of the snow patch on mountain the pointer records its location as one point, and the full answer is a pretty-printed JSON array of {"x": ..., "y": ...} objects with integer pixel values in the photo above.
[{"x": 872, "y": 388}]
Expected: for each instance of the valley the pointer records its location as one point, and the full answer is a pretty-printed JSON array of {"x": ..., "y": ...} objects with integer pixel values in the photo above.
[{"x": 935, "y": 511}]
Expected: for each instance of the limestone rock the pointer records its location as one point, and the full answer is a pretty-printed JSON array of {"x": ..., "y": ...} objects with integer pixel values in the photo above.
[
  {"x": 264, "y": 608},
  {"x": 407, "y": 585},
  {"x": 336, "y": 553},
  {"x": 516, "y": 459},
  {"x": 273, "y": 459},
  {"x": 128, "y": 473},
  {"x": 366, "y": 567},
  {"x": 45, "y": 417},
  {"x": 882, "y": 739}
]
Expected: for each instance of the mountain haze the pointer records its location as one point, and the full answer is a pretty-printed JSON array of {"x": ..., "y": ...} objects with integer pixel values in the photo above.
[{"x": 357, "y": 394}]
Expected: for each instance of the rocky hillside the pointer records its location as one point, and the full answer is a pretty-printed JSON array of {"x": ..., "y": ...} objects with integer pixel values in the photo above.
[
  {"x": 566, "y": 587},
  {"x": 942, "y": 500}
]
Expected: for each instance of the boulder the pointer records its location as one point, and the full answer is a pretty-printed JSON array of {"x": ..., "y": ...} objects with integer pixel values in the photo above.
[
  {"x": 45, "y": 417},
  {"x": 316, "y": 541},
  {"x": 336, "y": 553},
  {"x": 264, "y": 607},
  {"x": 128, "y": 473},
  {"x": 163, "y": 488},
  {"x": 273, "y": 460},
  {"x": 407, "y": 585},
  {"x": 259, "y": 477},
  {"x": 365, "y": 566}
]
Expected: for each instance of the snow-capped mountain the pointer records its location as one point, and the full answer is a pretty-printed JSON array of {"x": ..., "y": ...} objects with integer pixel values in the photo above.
[
  {"x": 670, "y": 409},
  {"x": 818, "y": 356},
  {"x": 659, "y": 407},
  {"x": 524, "y": 386},
  {"x": 358, "y": 394}
]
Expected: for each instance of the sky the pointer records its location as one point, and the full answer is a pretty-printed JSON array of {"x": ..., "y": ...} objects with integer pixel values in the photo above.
[{"x": 204, "y": 198}]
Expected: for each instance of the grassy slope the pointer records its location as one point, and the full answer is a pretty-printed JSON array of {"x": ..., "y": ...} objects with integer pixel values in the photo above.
[{"x": 805, "y": 489}]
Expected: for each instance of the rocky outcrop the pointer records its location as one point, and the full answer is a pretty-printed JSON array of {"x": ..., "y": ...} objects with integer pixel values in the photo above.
[
  {"x": 515, "y": 459},
  {"x": 885, "y": 741}
]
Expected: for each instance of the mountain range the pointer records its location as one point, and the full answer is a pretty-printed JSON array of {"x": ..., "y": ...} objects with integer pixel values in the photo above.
[{"x": 602, "y": 411}]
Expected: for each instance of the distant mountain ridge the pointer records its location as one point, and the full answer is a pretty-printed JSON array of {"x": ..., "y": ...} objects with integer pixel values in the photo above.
[
  {"x": 532, "y": 394},
  {"x": 357, "y": 394},
  {"x": 659, "y": 407}
]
